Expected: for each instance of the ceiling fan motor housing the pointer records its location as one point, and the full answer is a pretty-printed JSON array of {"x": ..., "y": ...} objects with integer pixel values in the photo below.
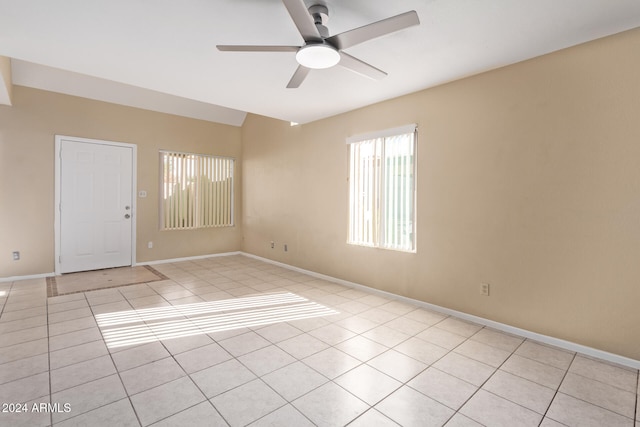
[{"x": 320, "y": 15}]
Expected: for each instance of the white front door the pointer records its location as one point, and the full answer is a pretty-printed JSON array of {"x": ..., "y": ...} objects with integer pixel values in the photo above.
[{"x": 96, "y": 209}]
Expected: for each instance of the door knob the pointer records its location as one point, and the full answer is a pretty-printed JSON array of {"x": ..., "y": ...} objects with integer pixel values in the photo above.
[{"x": 127, "y": 216}]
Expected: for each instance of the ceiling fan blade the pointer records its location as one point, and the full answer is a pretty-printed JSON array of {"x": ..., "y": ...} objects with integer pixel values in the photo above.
[
  {"x": 298, "y": 77},
  {"x": 376, "y": 29},
  {"x": 250, "y": 48},
  {"x": 303, "y": 20},
  {"x": 355, "y": 65}
]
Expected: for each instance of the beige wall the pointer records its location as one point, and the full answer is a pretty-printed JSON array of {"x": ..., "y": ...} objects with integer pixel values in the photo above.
[
  {"x": 528, "y": 179},
  {"x": 27, "y": 133}
]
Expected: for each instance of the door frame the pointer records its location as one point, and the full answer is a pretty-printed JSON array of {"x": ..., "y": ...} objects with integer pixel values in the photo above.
[{"x": 58, "y": 187}]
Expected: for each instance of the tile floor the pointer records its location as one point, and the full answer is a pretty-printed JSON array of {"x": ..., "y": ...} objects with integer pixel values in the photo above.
[{"x": 236, "y": 341}]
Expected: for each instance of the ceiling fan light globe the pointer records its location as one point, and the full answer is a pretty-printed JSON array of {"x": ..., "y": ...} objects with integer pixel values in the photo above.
[{"x": 317, "y": 56}]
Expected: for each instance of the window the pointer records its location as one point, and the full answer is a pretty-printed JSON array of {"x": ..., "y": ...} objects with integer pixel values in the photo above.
[
  {"x": 382, "y": 189},
  {"x": 197, "y": 191}
]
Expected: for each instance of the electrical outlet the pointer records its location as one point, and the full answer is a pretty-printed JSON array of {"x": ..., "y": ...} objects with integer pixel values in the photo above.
[
  {"x": 150, "y": 245},
  {"x": 484, "y": 289},
  {"x": 16, "y": 255},
  {"x": 273, "y": 245}
]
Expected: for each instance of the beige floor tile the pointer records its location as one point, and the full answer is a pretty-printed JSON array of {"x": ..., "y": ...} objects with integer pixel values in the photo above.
[
  {"x": 22, "y": 368},
  {"x": 460, "y": 327},
  {"x": 72, "y": 325},
  {"x": 466, "y": 369},
  {"x": 361, "y": 348},
  {"x": 537, "y": 372},
  {"x": 243, "y": 344},
  {"x": 484, "y": 353},
  {"x": 386, "y": 335},
  {"x": 370, "y": 349},
  {"x": 374, "y": 300},
  {"x": 578, "y": 413},
  {"x": 421, "y": 350},
  {"x": 69, "y": 315},
  {"x": 202, "y": 357},
  {"x": 222, "y": 377},
  {"x": 148, "y": 301},
  {"x": 30, "y": 418},
  {"x": 66, "y": 306},
  {"x": 265, "y": 360},
  {"x": 65, "y": 298},
  {"x": 247, "y": 403},
  {"x": 406, "y": 325},
  {"x": 8, "y": 316},
  {"x": 151, "y": 375},
  {"x": 491, "y": 410},
  {"x": 331, "y": 362},
  {"x": 548, "y": 422},
  {"x": 181, "y": 344},
  {"x": 459, "y": 420},
  {"x": 23, "y": 350},
  {"x": 442, "y": 338},
  {"x": 307, "y": 325},
  {"x": 442, "y": 387},
  {"x": 373, "y": 417},
  {"x": 166, "y": 400},
  {"x": 22, "y": 336},
  {"x": 80, "y": 373},
  {"x": 112, "y": 307},
  {"x": 545, "y": 354},
  {"x": 72, "y": 339},
  {"x": 521, "y": 391},
  {"x": 330, "y": 405},
  {"x": 378, "y": 315},
  {"x": 397, "y": 365},
  {"x": 368, "y": 384},
  {"x": 410, "y": 408},
  {"x": 25, "y": 389},
  {"x": 278, "y": 332},
  {"x": 600, "y": 394},
  {"x": 140, "y": 355},
  {"x": 22, "y": 324},
  {"x": 294, "y": 380},
  {"x": 357, "y": 324},
  {"x": 617, "y": 376},
  {"x": 76, "y": 354},
  {"x": 284, "y": 416},
  {"x": 88, "y": 396},
  {"x": 352, "y": 307},
  {"x": 26, "y": 304},
  {"x": 202, "y": 414},
  {"x": 118, "y": 413},
  {"x": 332, "y": 334},
  {"x": 112, "y": 297}
]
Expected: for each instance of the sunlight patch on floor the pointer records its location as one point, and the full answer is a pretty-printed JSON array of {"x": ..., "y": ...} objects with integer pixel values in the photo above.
[{"x": 134, "y": 327}]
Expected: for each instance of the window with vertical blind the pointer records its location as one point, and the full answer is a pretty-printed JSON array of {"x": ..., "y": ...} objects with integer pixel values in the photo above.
[
  {"x": 197, "y": 191},
  {"x": 382, "y": 169}
]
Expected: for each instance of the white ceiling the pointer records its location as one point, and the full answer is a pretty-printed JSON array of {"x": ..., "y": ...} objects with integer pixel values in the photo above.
[{"x": 161, "y": 55}]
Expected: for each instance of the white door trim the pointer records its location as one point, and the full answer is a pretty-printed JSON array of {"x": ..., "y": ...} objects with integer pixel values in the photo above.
[{"x": 58, "y": 183}]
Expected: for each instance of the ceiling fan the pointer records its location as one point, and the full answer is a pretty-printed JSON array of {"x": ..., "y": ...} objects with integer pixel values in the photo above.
[{"x": 323, "y": 51}]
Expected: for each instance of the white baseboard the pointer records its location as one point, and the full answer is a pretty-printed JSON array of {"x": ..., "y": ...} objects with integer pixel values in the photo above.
[
  {"x": 567, "y": 345},
  {"x": 27, "y": 277},
  {"x": 190, "y": 258}
]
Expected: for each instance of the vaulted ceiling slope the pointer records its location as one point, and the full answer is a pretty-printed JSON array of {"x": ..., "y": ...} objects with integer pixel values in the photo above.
[{"x": 161, "y": 55}]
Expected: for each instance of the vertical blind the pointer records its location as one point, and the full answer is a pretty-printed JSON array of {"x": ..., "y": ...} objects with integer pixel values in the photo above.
[
  {"x": 197, "y": 191},
  {"x": 382, "y": 191}
]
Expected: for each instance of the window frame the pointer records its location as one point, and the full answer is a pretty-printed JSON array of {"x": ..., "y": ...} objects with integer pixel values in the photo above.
[
  {"x": 196, "y": 207},
  {"x": 379, "y": 235}
]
